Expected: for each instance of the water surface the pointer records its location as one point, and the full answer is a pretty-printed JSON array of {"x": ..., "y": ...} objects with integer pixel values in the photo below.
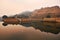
[{"x": 30, "y": 31}]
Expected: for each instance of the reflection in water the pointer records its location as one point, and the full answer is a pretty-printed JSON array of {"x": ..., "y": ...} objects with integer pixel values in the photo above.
[
  {"x": 19, "y": 32},
  {"x": 45, "y": 26}
]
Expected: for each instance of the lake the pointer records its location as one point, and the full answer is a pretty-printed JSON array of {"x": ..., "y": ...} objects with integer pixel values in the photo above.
[{"x": 30, "y": 31}]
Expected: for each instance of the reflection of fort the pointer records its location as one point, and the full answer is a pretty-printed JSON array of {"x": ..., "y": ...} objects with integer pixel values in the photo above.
[
  {"x": 48, "y": 27},
  {"x": 45, "y": 26}
]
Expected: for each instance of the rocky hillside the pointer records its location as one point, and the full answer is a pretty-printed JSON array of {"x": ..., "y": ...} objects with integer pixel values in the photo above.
[{"x": 46, "y": 12}]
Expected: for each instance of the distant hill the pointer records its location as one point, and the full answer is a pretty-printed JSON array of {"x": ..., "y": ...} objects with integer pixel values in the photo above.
[
  {"x": 25, "y": 14},
  {"x": 45, "y": 12}
]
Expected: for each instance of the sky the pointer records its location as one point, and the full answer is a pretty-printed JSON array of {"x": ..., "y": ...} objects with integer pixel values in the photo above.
[{"x": 11, "y": 7}]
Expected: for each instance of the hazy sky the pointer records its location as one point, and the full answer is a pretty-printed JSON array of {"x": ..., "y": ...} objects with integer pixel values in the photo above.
[{"x": 10, "y": 7}]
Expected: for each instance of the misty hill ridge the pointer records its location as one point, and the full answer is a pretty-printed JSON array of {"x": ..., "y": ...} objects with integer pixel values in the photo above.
[
  {"x": 43, "y": 12},
  {"x": 25, "y": 14}
]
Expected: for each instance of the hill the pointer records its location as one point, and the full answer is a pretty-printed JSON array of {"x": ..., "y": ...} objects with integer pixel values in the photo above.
[
  {"x": 46, "y": 12},
  {"x": 25, "y": 14}
]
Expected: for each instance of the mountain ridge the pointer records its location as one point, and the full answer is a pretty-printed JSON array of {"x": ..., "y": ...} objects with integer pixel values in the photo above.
[{"x": 53, "y": 11}]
